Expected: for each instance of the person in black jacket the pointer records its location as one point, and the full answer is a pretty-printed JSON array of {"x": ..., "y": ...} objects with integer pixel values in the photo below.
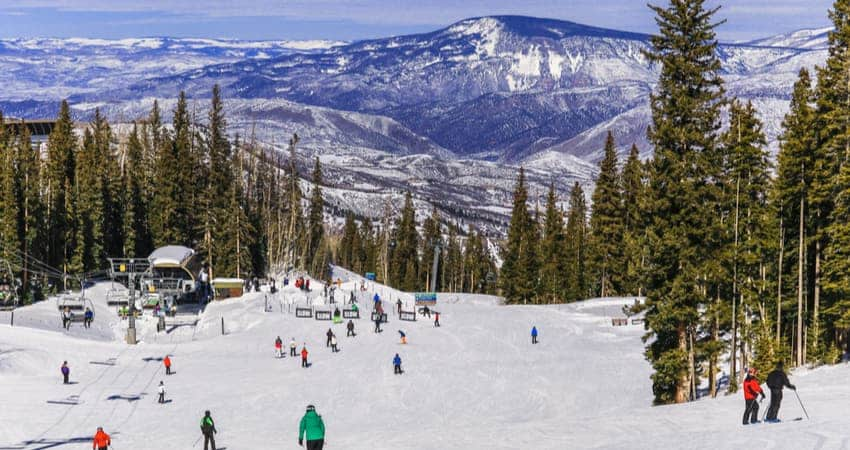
[
  {"x": 350, "y": 327},
  {"x": 329, "y": 334},
  {"x": 776, "y": 380}
]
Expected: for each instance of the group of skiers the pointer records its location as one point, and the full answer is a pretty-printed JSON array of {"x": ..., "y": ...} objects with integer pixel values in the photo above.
[
  {"x": 293, "y": 347},
  {"x": 776, "y": 381}
]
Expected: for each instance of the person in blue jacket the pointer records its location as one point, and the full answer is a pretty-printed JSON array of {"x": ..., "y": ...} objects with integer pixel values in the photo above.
[
  {"x": 533, "y": 335},
  {"x": 397, "y": 365}
]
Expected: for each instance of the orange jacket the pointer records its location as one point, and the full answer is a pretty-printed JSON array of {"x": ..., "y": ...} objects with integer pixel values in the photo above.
[
  {"x": 101, "y": 440},
  {"x": 304, "y": 353},
  {"x": 167, "y": 361},
  {"x": 752, "y": 388}
]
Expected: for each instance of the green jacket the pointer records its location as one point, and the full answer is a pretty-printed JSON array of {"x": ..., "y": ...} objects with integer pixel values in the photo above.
[
  {"x": 312, "y": 424},
  {"x": 207, "y": 425}
]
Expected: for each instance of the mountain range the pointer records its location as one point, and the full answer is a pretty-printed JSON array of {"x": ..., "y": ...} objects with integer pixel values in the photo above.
[{"x": 449, "y": 114}]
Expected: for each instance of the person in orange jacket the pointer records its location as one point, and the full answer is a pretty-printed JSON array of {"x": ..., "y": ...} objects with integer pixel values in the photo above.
[
  {"x": 304, "y": 356},
  {"x": 752, "y": 389},
  {"x": 101, "y": 440},
  {"x": 167, "y": 362}
]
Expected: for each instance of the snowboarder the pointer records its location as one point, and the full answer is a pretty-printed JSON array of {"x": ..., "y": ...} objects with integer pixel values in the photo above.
[
  {"x": 752, "y": 390},
  {"x": 292, "y": 347},
  {"x": 398, "y": 305},
  {"x": 329, "y": 334},
  {"x": 278, "y": 347},
  {"x": 777, "y": 380},
  {"x": 533, "y": 335},
  {"x": 66, "y": 372},
  {"x": 161, "y": 391},
  {"x": 334, "y": 348},
  {"x": 67, "y": 316},
  {"x": 397, "y": 365},
  {"x": 403, "y": 337},
  {"x": 87, "y": 318},
  {"x": 208, "y": 429},
  {"x": 167, "y": 363},
  {"x": 304, "y": 354},
  {"x": 101, "y": 440},
  {"x": 350, "y": 327},
  {"x": 312, "y": 428}
]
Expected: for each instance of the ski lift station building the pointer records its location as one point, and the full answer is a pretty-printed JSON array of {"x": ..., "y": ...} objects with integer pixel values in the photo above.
[{"x": 174, "y": 269}]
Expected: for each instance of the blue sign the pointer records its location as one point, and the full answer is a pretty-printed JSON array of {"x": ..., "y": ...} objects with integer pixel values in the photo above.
[
  {"x": 370, "y": 276},
  {"x": 425, "y": 298}
]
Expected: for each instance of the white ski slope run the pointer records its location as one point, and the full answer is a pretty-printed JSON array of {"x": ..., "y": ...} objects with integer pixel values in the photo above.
[{"x": 475, "y": 383}]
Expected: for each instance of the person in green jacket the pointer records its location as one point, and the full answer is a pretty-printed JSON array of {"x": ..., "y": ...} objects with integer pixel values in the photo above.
[
  {"x": 314, "y": 428},
  {"x": 208, "y": 429}
]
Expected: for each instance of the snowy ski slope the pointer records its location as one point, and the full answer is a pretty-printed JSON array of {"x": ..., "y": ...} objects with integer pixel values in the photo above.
[{"x": 475, "y": 383}]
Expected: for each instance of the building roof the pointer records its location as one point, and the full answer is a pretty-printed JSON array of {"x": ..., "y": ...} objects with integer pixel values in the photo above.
[{"x": 170, "y": 256}]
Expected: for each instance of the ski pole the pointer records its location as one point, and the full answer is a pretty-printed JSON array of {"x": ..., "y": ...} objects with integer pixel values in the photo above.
[{"x": 801, "y": 404}]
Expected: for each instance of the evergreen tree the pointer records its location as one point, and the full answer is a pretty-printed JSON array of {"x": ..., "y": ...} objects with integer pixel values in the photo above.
[
  {"x": 634, "y": 224},
  {"x": 219, "y": 195},
  {"x": 111, "y": 189},
  {"x": 316, "y": 223},
  {"x": 793, "y": 178},
  {"x": 452, "y": 266},
  {"x": 519, "y": 263},
  {"x": 30, "y": 220},
  {"x": 606, "y": 225},
  {"x": 138, "y": 241},
  {"x": 88, "y": 214},
  {"x": 553, "y": 269},
  {"x": 686, "y": 116},
  {"x": 576, "y": 246},
  {"x": 61, "y": 169},
  {"x": 347, "y": 252},
  {"x": 368, "y": 248},
  {"x": 405, "y": 255},
  {"x": 9, "y": 211},
  {"x": 432, "y": 239}
]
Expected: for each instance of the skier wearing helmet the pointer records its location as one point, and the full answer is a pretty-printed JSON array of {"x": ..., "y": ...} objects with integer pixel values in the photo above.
[
  {"x": 752, "y": 389},
  {"x": 313, "y": 428}
]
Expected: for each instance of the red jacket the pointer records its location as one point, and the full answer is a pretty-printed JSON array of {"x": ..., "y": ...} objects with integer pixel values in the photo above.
[
  {"x": 304, "y": 353},
  {"x": 101, "y": 440},
  {"x": 752, "y": 388},
  {"x": 167, "y": 361}
]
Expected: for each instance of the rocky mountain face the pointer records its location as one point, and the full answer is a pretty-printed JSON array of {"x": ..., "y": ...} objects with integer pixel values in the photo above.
[{"x": 449, "y": 113}]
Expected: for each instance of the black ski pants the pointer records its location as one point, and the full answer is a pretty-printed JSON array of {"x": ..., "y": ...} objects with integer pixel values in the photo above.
[
  {"x": 161, "y": 398},
  {"x": 209, "y": 439},
  {"x": 751, "y": 412},
  {"x": 303, "y": 362},
  {"x": 397, "y": 370},
  {"x": 533, "y": 339},
  {"x": 315, "y": 444},
  {"x": 328, "y": 344},
  {"x": 292, "y": 351},
  {"x": 349, "y": 333},
  {"x": 65, "y": 378},
  {"x": 775, "y": 402}
]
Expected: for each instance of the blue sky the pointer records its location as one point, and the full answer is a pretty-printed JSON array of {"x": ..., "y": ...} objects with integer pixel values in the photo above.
[{"x": 360, "y": 19}]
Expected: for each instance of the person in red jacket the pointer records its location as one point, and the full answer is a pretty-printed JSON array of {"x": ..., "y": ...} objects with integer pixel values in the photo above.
[
  {"x": 304, "y": 357},
  {"x": 101, "y": 440},
  {"x": 752, "y": 389},
  {"x": 167, "y": 362}
]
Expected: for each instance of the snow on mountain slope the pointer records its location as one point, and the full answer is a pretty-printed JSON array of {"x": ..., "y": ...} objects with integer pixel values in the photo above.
[
  {"x": 475, "y": 383},
  {"x": 816, "y": 38}
]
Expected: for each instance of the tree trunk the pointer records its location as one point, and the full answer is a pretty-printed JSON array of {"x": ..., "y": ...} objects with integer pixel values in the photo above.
[
  {"x": 815, "y": 321},
  {"x": 800, "y": 262},
  {"x": 733, "y": 383},
  {"x": 681, "y": 395},
  {"x": 779, "y": 284}
]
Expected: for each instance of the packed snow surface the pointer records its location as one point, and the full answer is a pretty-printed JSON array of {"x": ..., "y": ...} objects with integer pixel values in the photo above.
[{"x": 477, "y": 382}]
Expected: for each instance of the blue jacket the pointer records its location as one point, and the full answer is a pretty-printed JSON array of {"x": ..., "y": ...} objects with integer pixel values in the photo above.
[
  {"x": 401, "y": 333},
  {"x": 534, "y": 331},
  {"x": 376, "y": 299},
  {"x": 397, "y": 361}
]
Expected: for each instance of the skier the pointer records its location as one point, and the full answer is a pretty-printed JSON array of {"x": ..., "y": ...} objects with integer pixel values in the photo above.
[
  {"x": 398, "y": 305},
  {"x": 426, "y": 311},
  {"x": 752, "y": 389},
  {"x": 312, "y": 428},
  {"x": 378, "y": 323},
  {"x": 87, "y": 318},
  {"x": 204, "y": 279},
  {"x": 66, "y": 372},
  {"x": 334, "y": 349},
  {"x": 403, "y": 337},
  {"x": 776, "y": 380},
  {"x": 161, "y": 392},
  {"x": 292, "y": 347},
  {"x": 329, "y": 334},
  {"x": 354, "y": 307},
  {"x": 101, "y": 440},
  {"x": 278, "y": 347},
  {"x": 350, "y": 327},
  {"x": 533, "y": 335},
  {"x": 304, "y": 353},
  {"x": 397, "y": 365},
  {"x": 167, "y": 363},
  {"x": 67, "y": 316},
  {"x": 208, "y": 429},
  {"x": 436, "y": 319}
]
